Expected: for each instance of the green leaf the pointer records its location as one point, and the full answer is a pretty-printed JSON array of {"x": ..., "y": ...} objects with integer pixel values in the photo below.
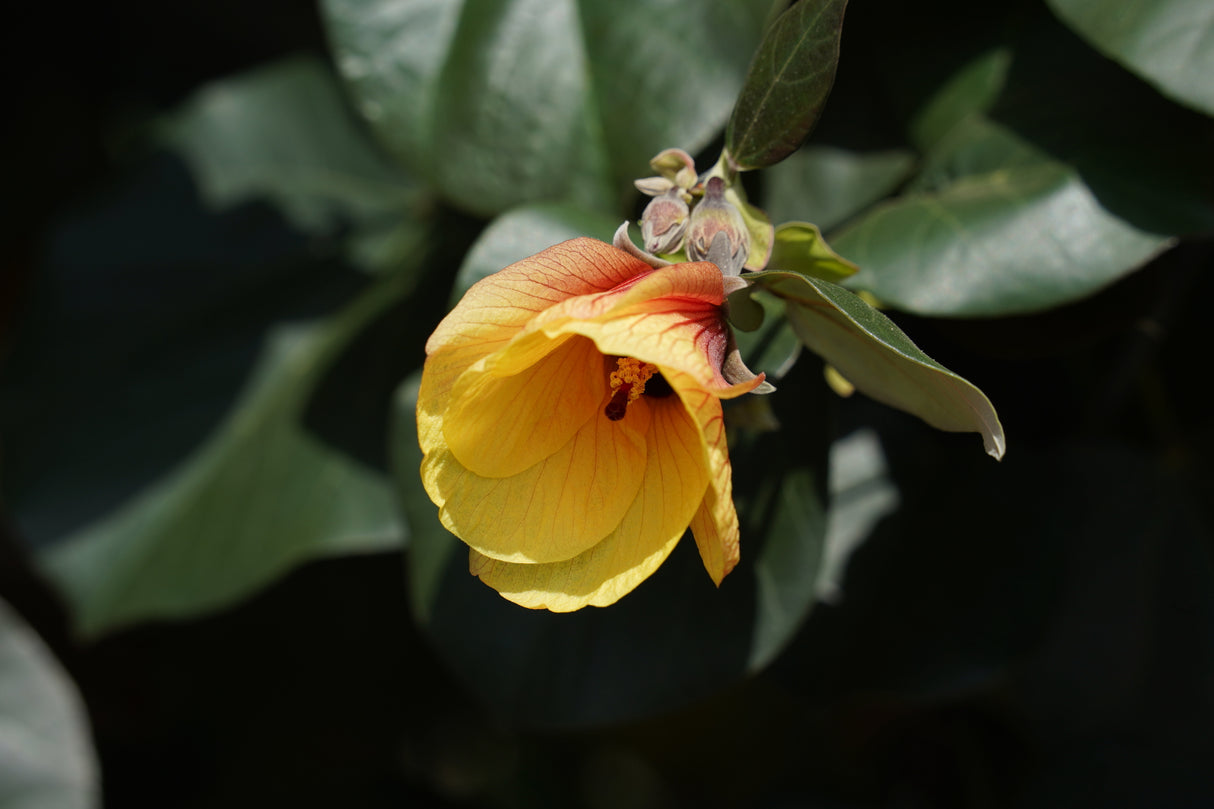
[
  {"x": 799, "y": 247},
  {"x": 261, "y": 496},
  {"x": 862, "y": 494},
  {"x": 46, "y": 756},
  {"x": 879, "y": 359},
  {"x": 523, "y": 232},
  {"x": 972, "y": 90},
  {"x": 506, "y": 102},
  {"x": 827, "y": 186},
  {"x": 787, "y": 85},
  {"x": 1170, "y": 43},
  {"x": 992, "y": 226},
  {"x": 674, "y": 639},
  {"x": 284, "y": 133}
]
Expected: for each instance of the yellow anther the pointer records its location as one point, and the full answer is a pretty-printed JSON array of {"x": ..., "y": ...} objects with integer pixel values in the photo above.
[
  {"x": 633, "y": 373},
  {"x": 627, "y": 384}
]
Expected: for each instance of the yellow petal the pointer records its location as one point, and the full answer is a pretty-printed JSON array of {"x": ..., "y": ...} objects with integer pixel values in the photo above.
[
  {"x": 557, "y": 508},
  {"x": 674, "y": 485},
  {"x": 670, "y": 317},
  {"x": 499, "y": 425},
  {"x": 495, "y": 308},
  {"x": 715, "y": 524}
]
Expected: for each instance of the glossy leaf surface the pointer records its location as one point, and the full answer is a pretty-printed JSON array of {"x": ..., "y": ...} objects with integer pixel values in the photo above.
[
  {"x": 1170, "y": 43},
  {"x": 994, "y": 227},
  {"x": 505, "y": 103},
  {"x": 259, "y": 497},
  {"x": 284, "y": 134},
  {"x": 1035, "y": 188},
  {"x": 880, "y": 360},
  {"x": 787, "y": 84},
  {"x": 46, "y": 753}
]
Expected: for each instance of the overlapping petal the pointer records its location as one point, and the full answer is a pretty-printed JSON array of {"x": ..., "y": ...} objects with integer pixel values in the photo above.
[
  {"x": 674, "y": 484},
  {"x": 496, "y": 308},
  {"x": 562, "y": 505}
]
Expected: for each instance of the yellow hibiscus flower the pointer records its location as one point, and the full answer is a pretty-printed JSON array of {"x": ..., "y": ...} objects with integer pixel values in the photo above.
[{"x": 570, "y": 417}]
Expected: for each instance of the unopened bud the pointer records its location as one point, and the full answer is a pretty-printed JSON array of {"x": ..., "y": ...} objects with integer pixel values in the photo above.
[
  {"x": 712, "y": 215},
  {"x": 664, "y": 222},
  {"x": 653, "y": 186},
  {"x": 672, "y": 163}
]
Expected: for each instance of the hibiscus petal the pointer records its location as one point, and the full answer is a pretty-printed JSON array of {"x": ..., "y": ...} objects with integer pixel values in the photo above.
[
  {"x": 557, "y": 508},
  {"x": 495, "y": 308},
  {"x": 670, "y": 317},
  {"x": 715, "y": 524},
  {"x": 499, "y": 425},
  {"x": 675, "y": 481}
]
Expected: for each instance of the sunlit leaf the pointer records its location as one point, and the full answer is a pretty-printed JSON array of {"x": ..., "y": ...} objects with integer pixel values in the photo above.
[
  {"x": 1170, "y": 43},
  {"x": 787, "y": 84},
  {"x": 504, "y": 103},
  {"x": 46, "y": 754},
  {"x": 993, "y": 226},
  {"x": 261, "y": 496},
  {"x": 799, "y": 247},
  {"x": 826, "y": 185},
  {"x": 283, "y": 133},
  {"x": 880, "y": 360}
]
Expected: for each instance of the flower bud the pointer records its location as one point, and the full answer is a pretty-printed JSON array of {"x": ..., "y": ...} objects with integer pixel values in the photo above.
[
  {"x": 675, "y": 165},
  {"x": 712, "y": 215},
  {"x": 664, "y": 222},
  {"x": 653, "y": 186}
]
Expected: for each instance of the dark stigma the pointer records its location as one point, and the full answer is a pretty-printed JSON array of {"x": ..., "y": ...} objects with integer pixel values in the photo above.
[{"x": 618, "y": 405}]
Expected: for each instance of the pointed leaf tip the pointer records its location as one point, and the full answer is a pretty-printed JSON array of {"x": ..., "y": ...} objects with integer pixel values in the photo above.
[
  {"x": 872, "y": 353},
  {"x": 786, "y": 86}
]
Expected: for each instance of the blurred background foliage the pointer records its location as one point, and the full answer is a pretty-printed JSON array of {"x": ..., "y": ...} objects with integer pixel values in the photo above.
[{"x": 229, "y": 232}]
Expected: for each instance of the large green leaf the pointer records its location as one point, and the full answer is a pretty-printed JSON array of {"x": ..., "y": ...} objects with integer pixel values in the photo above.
[
  {"x": 787, "y": 85},
  {"x": 826, "y": 185},
  {"x": 879, "y": 359},
  {"x": 1037, "y": 185},
  {"x": 970, "y": 91},
  {"x": 505, "y": 102},
  {"x": 261, "y": 496},
  {"x": 993, "y": 226},
  {"x": 46, "y": 755},
  {"x": 285, "y": 134},
  {"x": 675, "y": 638},
  {"x": 1170, "y": 43}
]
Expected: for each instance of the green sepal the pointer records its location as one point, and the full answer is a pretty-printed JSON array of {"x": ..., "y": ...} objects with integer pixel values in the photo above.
[
  {"x": 762, "y": 234},
  {"x": 799, "y": 247}
]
